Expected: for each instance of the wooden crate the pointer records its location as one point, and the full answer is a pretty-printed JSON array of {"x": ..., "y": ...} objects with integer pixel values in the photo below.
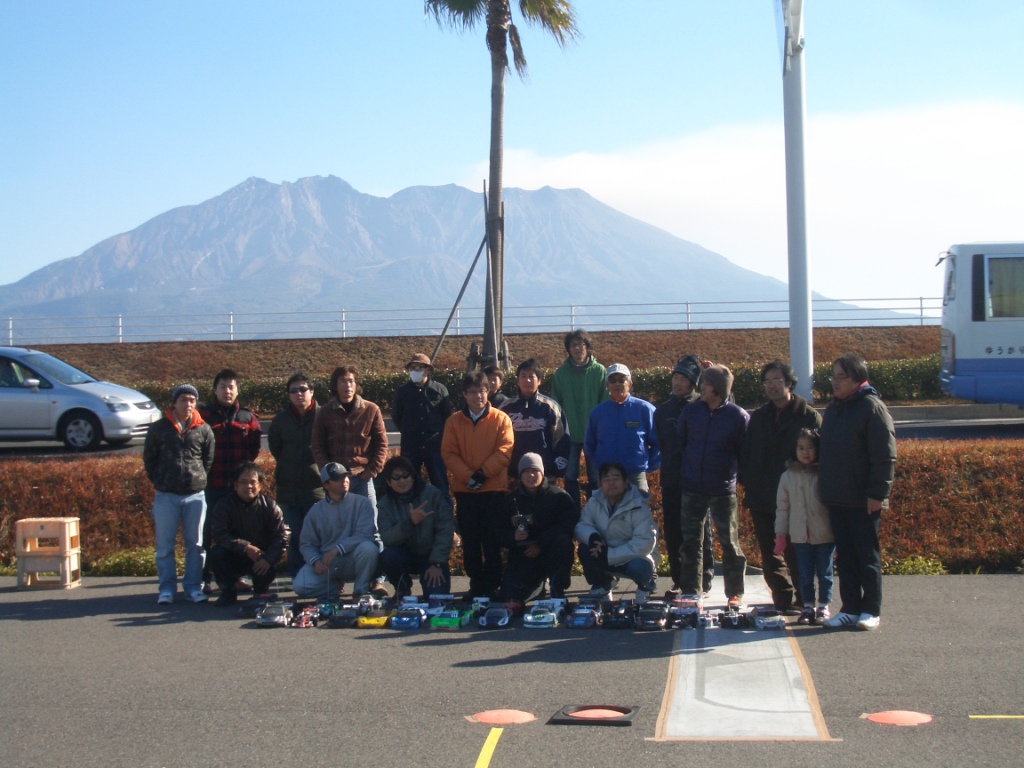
[
  {"x": 47, "y": 536},
  {"x": 37, "y": 571}
]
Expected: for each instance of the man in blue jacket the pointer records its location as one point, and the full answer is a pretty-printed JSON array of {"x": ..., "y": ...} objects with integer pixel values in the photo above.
[
  {"x": 621, "y": 429},
  {"x": 711, "y": 432}
]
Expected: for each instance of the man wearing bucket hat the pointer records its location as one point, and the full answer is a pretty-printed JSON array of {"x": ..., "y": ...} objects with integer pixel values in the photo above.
[
  {"x": 420, "y": 409},
  {"x": 621, "y": 429},
  {"x": 339, "y": 539}
]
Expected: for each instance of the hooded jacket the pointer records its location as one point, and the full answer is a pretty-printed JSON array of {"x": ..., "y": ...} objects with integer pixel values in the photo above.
[
  {"x": 799, "y": 512},
  {"x": 858, "y": 450},
  {"x": 628, "y": 529},
  {"x": 178, "y": 462},
  {"x": 434, "y": 535}
]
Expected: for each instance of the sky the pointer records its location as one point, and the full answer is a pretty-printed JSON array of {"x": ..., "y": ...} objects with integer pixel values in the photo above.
[{"x": 114, "y": 111}]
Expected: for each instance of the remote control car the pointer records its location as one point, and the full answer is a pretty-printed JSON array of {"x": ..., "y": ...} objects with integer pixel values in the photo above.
[
  {"x": 251, "y": 608},
  {"x": 307, "y": 617},
  {"x": 763, "y": 617},
  {"x": 654, "y": 614},
  {"x": 496, "y": 618},
  {"x": 369, "y": 603},
  {"x": 375, "y": 618},
  {"x": 438, "y": 604},
  {"x": 274, "y": 615},
  {"x": 343, "y": 617},
  {"x": 686, "y": 610},
  {"x": 707, "y": 620},
  {"x": 545, "y": 614},
  {"x": 733, "y": 619},
  {"x": 451, "y": 619},
  {"x": 619, "y": 615},
  {"x": 409, "y": 618},
  {"x": 586, "y": 614},
  {"x": 327, "y": 609}
]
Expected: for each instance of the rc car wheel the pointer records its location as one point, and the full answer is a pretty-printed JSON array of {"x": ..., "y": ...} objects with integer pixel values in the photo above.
[{"x": 80, "y": 431}]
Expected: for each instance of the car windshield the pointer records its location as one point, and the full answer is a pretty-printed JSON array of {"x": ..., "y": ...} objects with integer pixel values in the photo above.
[{"x": 56, "y": 369}]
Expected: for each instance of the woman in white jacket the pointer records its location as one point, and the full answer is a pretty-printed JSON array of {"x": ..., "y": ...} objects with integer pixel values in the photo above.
[
  {"x": 801, "y": 515},
  {"x": 617, "y": 536}
]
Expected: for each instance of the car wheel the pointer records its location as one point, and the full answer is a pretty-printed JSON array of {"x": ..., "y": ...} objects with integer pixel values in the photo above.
[{"x": 80, "y": 431}]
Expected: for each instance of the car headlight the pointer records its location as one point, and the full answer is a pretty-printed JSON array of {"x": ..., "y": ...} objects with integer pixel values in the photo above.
[{"x": 116, "y": 404}]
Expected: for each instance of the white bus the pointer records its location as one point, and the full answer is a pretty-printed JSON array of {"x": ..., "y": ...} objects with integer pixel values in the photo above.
[{"x": 983, "y": 323}]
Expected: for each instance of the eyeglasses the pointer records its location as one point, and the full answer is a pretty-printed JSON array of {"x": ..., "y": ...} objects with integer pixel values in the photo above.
[
  {"x": 398, "y": 477},
  {"x": 766, "y": 382},
  {"x": 838, "y": 377},
  {"x": 298, "y": 390}
]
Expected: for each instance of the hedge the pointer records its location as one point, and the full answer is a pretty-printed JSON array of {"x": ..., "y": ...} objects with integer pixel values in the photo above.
[{"x": 953, "y": 501}]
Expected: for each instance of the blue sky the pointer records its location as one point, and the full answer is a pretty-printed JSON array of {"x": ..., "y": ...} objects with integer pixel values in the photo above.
[{"x": 114, "y": 111}]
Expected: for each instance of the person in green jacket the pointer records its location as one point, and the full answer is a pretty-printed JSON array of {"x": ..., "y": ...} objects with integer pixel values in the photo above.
[{"x": 577, "y": 386}]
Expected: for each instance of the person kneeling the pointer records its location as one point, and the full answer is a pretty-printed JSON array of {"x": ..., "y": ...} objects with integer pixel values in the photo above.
[
  {"x": 535, "y": 523},
  {"x": 617, "y": 536},
  {"x": 417, "y": 528},
  {"x": 248, "y": 533},
  {"x": 339, "y": 539}
]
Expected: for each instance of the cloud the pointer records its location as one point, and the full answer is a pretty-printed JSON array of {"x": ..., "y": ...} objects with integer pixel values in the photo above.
[{"x": 886, "y": 191}]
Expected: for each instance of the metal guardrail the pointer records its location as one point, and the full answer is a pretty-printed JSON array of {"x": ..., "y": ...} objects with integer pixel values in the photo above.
[{"x": 348, "y": 323}]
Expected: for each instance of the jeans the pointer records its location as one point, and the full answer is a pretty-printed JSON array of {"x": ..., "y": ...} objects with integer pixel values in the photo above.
[
  {"x": 725, "y": 515},
  {"x": 359, "y": 566},
  {"x": 672, "y": 510},
  {"x": 364, "y": 487},
  {"x": 599, "y": 574},
  {"x": 436, "y": 470},
  {"x": 481, "y": 552},
  {"x": 815, "y": 559},
  {"x": 294, "y": 517},
  {"x": 572, "y": 473},
  {"x": 781, "y": 572},
  {"x": 228, "y": 567},
  {"x": 170, "y": 509},
  {"x": 858, "y": 559},
  {"x": 398, "y": 563}
]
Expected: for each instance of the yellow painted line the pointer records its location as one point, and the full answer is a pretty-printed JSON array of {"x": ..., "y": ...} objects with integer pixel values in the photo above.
[
  {"x": 487, "y": 752},
  {"x": 996, "y": 717}
]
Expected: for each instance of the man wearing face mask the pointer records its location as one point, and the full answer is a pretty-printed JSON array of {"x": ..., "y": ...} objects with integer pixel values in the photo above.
[{"x": 420, "y": 409}]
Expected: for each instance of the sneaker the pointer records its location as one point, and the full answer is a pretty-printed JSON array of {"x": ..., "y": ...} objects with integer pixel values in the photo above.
[
  {"x": 735, "y": 602},
  {"x": 198, "y": 596},
  {"x": 822, "y": 614},
  {"x": 600, "y": 593},
  {"x": 641, "y": 596},
  {"x": 840, "y": 620},
  {"x": 227, "y": 597},
  {"x": 806, "y": 615},
  {"x": 166, "y": 598},
  {"x": 379, "y": 589},
  {"x": 867, "y": 622}
]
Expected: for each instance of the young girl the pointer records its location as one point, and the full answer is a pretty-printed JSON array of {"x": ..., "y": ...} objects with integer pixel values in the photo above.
[{"x": 802, "y": 516}]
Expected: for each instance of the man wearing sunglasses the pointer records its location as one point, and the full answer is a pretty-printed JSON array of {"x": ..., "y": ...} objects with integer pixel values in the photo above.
[{"x": 296, "y": 475}]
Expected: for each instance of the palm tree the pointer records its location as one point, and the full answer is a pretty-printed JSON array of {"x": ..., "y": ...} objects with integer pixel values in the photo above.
[{"x": 556, "y": 16}]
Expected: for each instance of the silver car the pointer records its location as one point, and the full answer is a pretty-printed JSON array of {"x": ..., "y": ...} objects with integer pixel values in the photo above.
[{"x": 43, "y": 398}]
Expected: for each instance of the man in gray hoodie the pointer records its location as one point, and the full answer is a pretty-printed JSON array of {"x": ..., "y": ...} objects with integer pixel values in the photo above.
[{"x": 339, "y": 539}]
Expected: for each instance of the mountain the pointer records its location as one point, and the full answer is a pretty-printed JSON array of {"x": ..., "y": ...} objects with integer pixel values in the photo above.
[{"x": 318, "y": 244}]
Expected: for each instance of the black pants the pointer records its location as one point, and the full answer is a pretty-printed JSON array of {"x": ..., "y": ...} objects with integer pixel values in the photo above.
[
  {"x": 229, "y": 567},
  {"x": 781, "y": 572},
  {"x": 524, "y": 576},
  {"x": 481, "y": 552},
  {"x": 858, "y": 559}
]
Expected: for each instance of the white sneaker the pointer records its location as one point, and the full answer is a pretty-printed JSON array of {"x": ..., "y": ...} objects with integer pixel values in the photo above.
[
  {"x": 197, "y": 596},
  {"x": 599, "y": 593},
  {"x": 840, "y": 620},
  {"x": 641, "y": 596},
  {"x": 867, "y": 622},
  {"x": 166, "y": 598}
]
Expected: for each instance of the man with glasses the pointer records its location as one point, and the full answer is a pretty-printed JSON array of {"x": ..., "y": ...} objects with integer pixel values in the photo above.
[
  {"x": 769, "y": 444},
  {"x": 296, "y": 476}
]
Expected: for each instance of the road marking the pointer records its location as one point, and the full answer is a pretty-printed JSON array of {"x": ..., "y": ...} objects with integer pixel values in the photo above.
[
  {"x": 996, "y": 717},
  {"x": 487, "y": 752}
]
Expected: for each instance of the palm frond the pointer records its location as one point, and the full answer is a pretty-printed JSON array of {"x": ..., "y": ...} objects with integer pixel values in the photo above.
[
  {"x": 458, "y": 14},
  {"x": 556, "y": 16},
  {"x": 517, "y": 51}
]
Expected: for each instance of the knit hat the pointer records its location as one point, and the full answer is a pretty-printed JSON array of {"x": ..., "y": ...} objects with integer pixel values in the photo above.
[
  {"x": 531, "y": 461},
  {"x": 184, "y": 389},
  {"x": 333, "y": 471},
  {"x": 688, "y": 366},
  {"x": 617, "y": 368},
  {"x": 419, "y": 359},
  {"x": 720, "y": 378}
]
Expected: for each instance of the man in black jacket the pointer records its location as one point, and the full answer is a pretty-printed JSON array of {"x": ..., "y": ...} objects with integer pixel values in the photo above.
[
  {"x": 420, "y": 409},
  {"x": 535, "y": 523},
  {"x": 249, "y": 535},
  {"x": 770, "y": 443}
]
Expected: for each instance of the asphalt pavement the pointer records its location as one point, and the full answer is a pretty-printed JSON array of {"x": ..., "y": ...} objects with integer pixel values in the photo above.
[{"x": 101, "y": 675}]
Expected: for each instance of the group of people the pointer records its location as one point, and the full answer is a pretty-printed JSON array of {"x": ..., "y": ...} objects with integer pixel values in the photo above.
[{"x": 346, "y": 512}]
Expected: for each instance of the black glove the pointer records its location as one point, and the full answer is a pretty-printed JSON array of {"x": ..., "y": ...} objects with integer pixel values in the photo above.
[
  {"x": 476, "y": 480},
  {"x": 602, "y": 556}
]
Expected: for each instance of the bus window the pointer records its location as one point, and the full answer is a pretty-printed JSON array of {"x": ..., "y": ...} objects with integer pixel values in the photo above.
[{"x": 1005, "y": 286}]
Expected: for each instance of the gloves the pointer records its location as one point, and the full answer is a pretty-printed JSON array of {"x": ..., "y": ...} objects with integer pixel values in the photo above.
[
  {"x": 780, "y": 544},
  {"x": 561, "y": 463},
  {"x": 476, "y": 480}
]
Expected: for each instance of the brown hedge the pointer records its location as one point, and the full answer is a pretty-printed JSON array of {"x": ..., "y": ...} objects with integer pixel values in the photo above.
[{"x": 954, "y": 501}]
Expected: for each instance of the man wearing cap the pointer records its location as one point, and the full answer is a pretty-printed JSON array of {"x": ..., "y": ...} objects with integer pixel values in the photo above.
[
  {"x": 419, "y": 410},
  {"x": 685, "y": 376},
  {"x": 538, "y": 422},
  {"x": 339, "y": 539},
  {"x": 711, "y": 432},
  {"x": 577, "y": 386},
  {"x": 535, "y": 524},
  {"x": 770, "y": 443},
  {"x": 177, "y": 455},
  {"x": 621, "y": 429}
]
